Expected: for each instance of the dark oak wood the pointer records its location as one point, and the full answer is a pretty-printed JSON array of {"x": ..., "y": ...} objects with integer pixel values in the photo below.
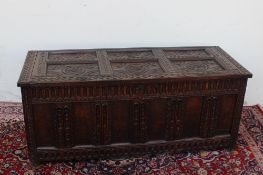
[{"x": 101, "y": 103}]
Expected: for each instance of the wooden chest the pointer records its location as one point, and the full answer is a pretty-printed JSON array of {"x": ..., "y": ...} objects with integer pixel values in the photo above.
[{"x": 101, "y": 103}]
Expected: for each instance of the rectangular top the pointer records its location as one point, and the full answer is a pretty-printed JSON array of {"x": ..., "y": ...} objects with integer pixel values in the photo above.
[{"x": 68, "y": 66}]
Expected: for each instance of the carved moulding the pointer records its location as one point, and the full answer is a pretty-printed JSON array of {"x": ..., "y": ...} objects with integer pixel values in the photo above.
[{"x": 131, "y": 150}]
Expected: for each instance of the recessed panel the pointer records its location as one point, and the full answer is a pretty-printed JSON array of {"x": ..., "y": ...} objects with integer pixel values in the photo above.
[
  {"x": 84, "y": 124},
  {"x": 157, "y": 118},
  {"x": 44, "y": 124},
  {"x": 226, "y": 114},
  {"x": 120, "y": 122},
  {"x": 191, "y": 119}
]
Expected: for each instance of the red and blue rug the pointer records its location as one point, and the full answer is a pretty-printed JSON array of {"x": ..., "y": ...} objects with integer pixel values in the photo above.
[{"x": 247, "y": 158}]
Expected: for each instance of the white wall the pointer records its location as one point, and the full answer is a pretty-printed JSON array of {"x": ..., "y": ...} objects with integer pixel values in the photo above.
[{"x": 236, "y": 26}]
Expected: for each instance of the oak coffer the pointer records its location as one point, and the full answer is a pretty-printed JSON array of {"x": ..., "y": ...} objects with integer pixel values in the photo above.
[{"x": 101, "y": 103}]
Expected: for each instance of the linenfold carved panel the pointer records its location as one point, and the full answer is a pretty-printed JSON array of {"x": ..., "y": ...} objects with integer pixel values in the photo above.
[
  {"x": 63, "y": 125},
  {"x": 103, "y": 123},
  {"x": 174, "y": 118},
  {"x": 209, "y": 116},
  {"x": 139, "y": 121}
]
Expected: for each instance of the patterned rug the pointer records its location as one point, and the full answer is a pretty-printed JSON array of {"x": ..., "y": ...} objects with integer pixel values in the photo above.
[{"x": 247, "y": 158}]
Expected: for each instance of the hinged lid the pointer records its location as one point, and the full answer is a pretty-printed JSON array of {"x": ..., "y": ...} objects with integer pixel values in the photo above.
[{"x": 127, "y": 64}]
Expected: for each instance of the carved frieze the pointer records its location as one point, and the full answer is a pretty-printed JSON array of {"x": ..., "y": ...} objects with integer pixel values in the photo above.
[{"x": 185, "y": 88}]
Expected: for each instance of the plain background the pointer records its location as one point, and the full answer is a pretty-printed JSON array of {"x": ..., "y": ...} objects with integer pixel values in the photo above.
[{"x": 235, "y": 25}]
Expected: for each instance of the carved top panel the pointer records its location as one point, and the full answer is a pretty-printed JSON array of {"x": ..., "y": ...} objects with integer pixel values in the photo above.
[
  {"x": 121, "y": 55},
  {"x": 127, "y": 64},
  {"x": 71, "y": 56}
]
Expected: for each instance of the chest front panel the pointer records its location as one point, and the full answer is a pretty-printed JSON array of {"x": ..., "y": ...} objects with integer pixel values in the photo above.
[{"x": 94, "y": 103}]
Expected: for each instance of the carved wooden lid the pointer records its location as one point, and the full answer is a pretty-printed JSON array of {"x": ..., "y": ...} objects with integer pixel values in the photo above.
[{"x": 128, "y": 64}]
